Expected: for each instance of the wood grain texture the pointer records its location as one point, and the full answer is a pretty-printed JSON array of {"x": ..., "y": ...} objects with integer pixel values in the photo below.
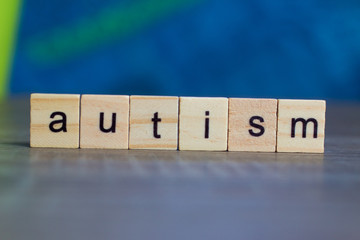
[
  {"x": 241, "y": 111},
  {"x": 192, "y": 123},
  {"x": 91, "y": 134},
  {"x": 142, "y": 125},
  {"x": 42, "y": 107},
  {"x": 290, "y": 110}
]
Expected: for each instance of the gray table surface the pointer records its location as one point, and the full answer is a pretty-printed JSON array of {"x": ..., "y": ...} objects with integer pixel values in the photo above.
[{"x": 121, "y": 194}]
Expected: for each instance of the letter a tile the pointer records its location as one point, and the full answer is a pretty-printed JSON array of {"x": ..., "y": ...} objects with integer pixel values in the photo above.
[
  {"x": 154, "y": 122},
  {"x": 54, "y": 120},
  {"x": 252, "y": 124},
  {"x": 203, "y": 124},
  {"x": 104, "y": 121},
  {"x": 301, "y": 126}
]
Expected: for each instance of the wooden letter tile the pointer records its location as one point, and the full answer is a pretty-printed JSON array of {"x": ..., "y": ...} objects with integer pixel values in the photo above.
[
  {"x": 104, "y": 121},
  {"x": 301, "y": 126},
  {"x": 203, "y": 124},
  {"x": 154, "y": 122},
  {"x": 252, "y": 125},
  {"x": 54, "y": 120}
]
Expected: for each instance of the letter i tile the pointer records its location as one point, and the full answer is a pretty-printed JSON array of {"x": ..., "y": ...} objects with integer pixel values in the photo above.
[{"x": 203, "y": 124}]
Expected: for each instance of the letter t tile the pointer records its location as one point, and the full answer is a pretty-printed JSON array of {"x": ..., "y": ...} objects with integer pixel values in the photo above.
[{"x": 153, "y": 122}]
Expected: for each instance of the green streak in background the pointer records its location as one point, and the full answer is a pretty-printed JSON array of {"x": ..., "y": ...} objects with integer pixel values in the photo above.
[
  {"x": 9, "y": 10},
  {"x": 115, "y": 22}
]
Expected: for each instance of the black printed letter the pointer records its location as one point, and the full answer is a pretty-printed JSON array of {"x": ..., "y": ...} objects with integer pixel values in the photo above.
[
  {"x": 156, "y": 120},
  {"x": 304, "y": 125},
  {"x": 207, "y": 120},
  {"x": 63, "y": 121},
  {"x": 261, "y": 128},
  {"x": 113, "y": 123}
]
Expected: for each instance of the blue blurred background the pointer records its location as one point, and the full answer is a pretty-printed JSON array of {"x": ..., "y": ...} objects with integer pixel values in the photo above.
[{"x": 232, "y": 48}]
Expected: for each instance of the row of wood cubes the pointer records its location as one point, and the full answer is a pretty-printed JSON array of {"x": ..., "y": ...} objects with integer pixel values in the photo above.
[{"x": 171, "y": 123}]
